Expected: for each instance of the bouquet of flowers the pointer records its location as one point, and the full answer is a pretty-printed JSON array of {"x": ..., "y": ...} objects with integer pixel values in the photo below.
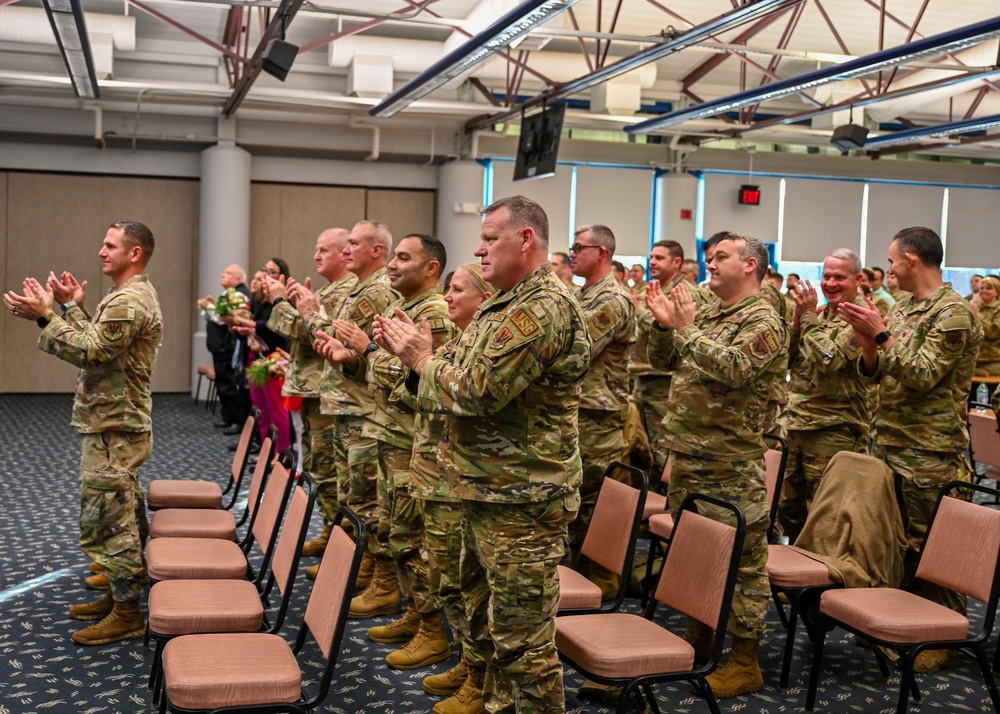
[
  {"x": 232, "y": 302},
  {"x": 267, "y": 367}
]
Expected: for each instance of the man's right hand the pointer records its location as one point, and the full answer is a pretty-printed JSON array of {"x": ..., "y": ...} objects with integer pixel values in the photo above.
[{"x": 66, "y": 288}]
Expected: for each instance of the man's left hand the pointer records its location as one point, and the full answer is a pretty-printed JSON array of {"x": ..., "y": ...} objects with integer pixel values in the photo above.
[
  {"x": 684, "y": 306},
  {"x": 351, "y": 335},
  {"x": 33, "y": 304},
  {"x": 413, "y": 345},
  {"x": 866, "y": 321}
]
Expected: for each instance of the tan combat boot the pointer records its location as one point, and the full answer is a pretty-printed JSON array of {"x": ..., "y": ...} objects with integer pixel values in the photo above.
[
  {"x": 96, "y": 610},
  {"x": 401, "y": 630},
  {"x": 741, "y": 673},
  {"x": 98, "y": 582},
  {"x": 429, "y": 646},
  {"x": 96, "y": 567},
  {"x": 702, "y": 638},
  {"x": 381, "y": 597},
  {"x": 468, "y": 699},
  {"x": 447, "y": 683},
  {"x": 365, "y": 572},
  {"x": 930, "y": 661},
  {"x": 123, "y": 623},
  {"x": 607, "y": 581},
  {"x": 317, "y": 546}
]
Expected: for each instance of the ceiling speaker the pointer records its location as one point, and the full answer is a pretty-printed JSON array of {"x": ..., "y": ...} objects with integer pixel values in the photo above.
[
  {"x": 278, "y": 58},
  {"x": 849, "y": 137}
]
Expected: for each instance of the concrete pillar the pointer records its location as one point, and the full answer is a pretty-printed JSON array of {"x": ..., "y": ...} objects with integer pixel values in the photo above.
[
  {"x": 676, "y": 193},
  {"x": 224, "y": 229},
  {"x": 460, "y": 193}
]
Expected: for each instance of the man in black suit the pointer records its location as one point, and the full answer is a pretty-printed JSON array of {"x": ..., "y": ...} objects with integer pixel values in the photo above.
[{"x": 221, "y": 342}]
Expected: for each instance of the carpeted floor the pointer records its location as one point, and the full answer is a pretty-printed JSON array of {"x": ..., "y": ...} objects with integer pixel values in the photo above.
[{"x": 42, "y": 570}]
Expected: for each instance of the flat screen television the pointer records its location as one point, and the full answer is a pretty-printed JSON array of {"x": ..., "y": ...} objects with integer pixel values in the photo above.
[{"x": 538, "y": 147}]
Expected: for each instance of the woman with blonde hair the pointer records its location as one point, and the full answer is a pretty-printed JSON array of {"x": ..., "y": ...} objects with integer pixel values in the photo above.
[{"x": 988, "y": 307}]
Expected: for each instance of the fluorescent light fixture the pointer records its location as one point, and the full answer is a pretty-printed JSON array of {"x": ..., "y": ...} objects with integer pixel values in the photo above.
[
  {"x": 70, "y": 29},
  {"x": 512, "y": 26},
  {"x": 696, "y": 35},
  {"x": 951, "y": 41},
  {"x": 908, "y": 136}
]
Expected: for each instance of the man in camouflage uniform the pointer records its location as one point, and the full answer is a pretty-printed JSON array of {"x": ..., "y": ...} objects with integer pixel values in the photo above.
[
  {"x": 923, "y": 361},
  {"x": 510, "y": 392},
  {"x": 305, "y": 370},
  {"x": 115, "y": 350},
  {"x": 724, "y": 356},
  {"x": 651, "y": 386},
  {"x": 414, "y": 273},
  {"x": 561, "y": 267},
  {"x": 610, "y": 316},
  {"x": 345, "y": 396},
  {"x": 828, "y": 400}
]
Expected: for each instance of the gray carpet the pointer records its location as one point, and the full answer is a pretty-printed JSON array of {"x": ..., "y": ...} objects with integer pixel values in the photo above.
[{"x": 42, "y": 570}]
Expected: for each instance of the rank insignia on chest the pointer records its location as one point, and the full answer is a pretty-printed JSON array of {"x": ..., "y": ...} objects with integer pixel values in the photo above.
[
  {"x": 113, "y": 331},
  {"x": 523, "y": 322},
  {"x": 503, "y": 337}
]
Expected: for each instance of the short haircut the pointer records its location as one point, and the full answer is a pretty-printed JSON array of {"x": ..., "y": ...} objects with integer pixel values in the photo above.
[
  {"x": 137, "y": 234},
  {"x": 282, "y": 266},
  {"x": 869, "y": 273},
  {"x": 433, "y": 249},
  {"x": 619, "y": 267},
  {"x": 977, "y": 275},
  {"x": 793, "y": 275},
  {"x": 675, "y": 249},
  {"x": 378, "y": 234},
  {"x": 775, "y": 274},
  {"x": 522, "y": 212},
  {"x": 717, "y": 238},
  {"x": 601, "y": 234},
  {"x": 752, "y": 248},
  {"x": 847, "y": 254},
  {"x": 991, "y": 280},
  {"x": 879, "y": 272},
  {"x": 563, "y": 257},
  {"x": 922, "y": 242},
  {"x": 693, "y": 262}
]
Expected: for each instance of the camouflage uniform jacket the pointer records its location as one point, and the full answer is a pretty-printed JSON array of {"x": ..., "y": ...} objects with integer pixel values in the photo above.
[
  {"x": 305, "y": 370},
  {"x": 926, "y": 373},
  {"x": 776, "y": 300},
  {"x": 392, "y": 421},
  {"x": 826, "y": 389},
  {"x": 511, "y": 389},
  {"x": 115, "y": 352},
  {"x": 638, "y": 361},
  {"x": 349, "y": 395},
  {"x": 610, "y": 317},
  {"x": 989, "y": 316},
  {"x": 724, "y": 365}
]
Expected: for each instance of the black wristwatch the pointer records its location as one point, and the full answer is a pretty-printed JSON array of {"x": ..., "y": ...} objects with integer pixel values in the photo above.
[
  {"x": 43, "y": 321},
  {"x": 372, "y": 346},
  {"x": 882, "y": 337}
]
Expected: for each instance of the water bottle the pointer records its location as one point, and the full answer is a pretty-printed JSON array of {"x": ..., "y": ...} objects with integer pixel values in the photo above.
[{"x": 983, "y": 393}]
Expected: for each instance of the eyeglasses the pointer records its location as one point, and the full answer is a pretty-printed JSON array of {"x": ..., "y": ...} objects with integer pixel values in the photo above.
[
  {"x": 576, "y": 247},
  {"x": 271, "y": 271}
]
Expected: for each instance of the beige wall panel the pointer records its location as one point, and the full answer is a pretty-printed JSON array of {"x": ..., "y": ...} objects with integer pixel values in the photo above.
[
  {"x": 54, "y": 223},
  {"x": 170, "y": 208},
  {"x": 4, "y": 319},
  {"x": 265, "y": 225},
  {"x": 403, "y": 211}
]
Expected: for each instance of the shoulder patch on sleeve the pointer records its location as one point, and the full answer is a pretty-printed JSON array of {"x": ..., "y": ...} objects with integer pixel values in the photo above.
[
  {"x": 763, "y": 346},
  {"x": 436, "y": 324},
  {"x": 364, "y": 309},
  {"x": 502, "y": 338},
  {"x": 118, "y": 313},
  {"x": 524, "y": 322}
]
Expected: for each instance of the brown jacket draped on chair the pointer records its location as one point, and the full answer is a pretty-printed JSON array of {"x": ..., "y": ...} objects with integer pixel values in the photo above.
[{"x": 854, "y": 525}]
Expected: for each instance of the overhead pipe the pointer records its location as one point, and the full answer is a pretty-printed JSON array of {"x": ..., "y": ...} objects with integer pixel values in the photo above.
[
  {"x": 356, "y": 123},
  {"x": 31, "y": 26}
]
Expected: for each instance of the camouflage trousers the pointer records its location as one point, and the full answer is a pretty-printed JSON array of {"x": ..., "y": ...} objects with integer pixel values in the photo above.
[
  {"x": 740, "y": 483},
  {"x": 924, "y": 473},
  {"x": 808, "y": 454},
  {"x": 113, "y": 525},
  {"x": 602, "y": 440},
  {"x": 318, "y": 457},
  {"x": 650, "y": 396},
  {"x": 443, "y": 539},
  {"x": 511, "y": 589}
]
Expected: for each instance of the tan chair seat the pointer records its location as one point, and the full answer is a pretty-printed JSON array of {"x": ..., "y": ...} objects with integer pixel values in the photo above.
[
  {"x": 788, "y": 568},
  {"x": 187, "y": 607},
  {"x": 894, "y": 615},
  {"x": 193, "y": 523},
  {"x": 195, "y": 559},
  {"x": 661, "y": 524},
  {"x": 207, "y": 370},
  {"x": 620, "y": 645},
  {"x": 576, "y": 591},
  {"x": 231, "y": 670},
  {"x": 993, "y": 473},
  {"x": 655, "y": 503},
  {"x": 167, "y": 493}
]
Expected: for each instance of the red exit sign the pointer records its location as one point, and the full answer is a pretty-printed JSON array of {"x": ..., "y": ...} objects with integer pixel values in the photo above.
[{"x": 749, "y": 195}]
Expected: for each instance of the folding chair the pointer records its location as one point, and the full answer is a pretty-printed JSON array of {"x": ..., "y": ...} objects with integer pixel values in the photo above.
[
  {"x": 197, "y": 493},
  {"x": 961, "y": 553},
  {"x": 984, "y": 442},
  {"x": 215, "y": 522},
  {"x": 259, "y": 671},
  {"x": 698, "y": 579},
  {"x": 208, "y": 371},
  {"x": 855, "y": 489},
  {"x": 187, "y": 607},
  {"x": 610, "y": 542}
]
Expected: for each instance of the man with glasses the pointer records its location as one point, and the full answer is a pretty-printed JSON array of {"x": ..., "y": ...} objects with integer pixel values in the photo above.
[
  {"x": 509, "y": 391},
  {"x": 610, "y": 315}
]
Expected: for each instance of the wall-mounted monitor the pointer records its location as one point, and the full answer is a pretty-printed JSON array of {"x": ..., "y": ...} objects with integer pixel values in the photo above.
[{"x": 538, "y": 147}]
